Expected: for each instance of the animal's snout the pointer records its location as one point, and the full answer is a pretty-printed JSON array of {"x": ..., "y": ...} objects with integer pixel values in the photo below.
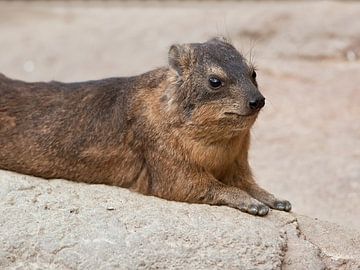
[{"x": 257, "y": 103}]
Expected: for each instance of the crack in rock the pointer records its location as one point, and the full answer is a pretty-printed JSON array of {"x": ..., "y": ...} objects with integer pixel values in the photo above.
[{"x": 302, "y": 253}]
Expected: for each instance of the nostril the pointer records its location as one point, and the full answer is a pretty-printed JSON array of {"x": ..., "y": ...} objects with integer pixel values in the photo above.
[
  {"x": 253, "y": 104},
  {"x": 257, "y": 103}
]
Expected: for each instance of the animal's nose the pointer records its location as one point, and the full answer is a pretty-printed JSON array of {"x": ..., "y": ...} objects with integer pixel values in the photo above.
[{"x": 257, "y": 103}]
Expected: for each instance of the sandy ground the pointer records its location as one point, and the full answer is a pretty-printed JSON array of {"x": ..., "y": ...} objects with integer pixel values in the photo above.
[{"x": 306, "y": 143}]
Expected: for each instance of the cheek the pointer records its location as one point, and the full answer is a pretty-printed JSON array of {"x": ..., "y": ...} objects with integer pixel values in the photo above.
[{"x": 207, "y": 114}]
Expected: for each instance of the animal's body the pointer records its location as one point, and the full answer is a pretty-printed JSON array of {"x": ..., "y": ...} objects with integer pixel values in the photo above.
[{"x": 180, "y": 132}]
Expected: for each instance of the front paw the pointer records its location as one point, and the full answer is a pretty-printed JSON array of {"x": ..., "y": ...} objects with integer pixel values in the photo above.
[
  {"x": 255, "y": 208},
  {"x": 282, "y": 205}
]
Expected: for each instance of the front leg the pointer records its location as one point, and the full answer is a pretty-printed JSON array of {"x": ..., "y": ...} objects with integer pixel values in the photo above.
[
  {"x": 182, "y": 182},
  {"x": 240, "y": 176},
  {"x": 250, "y": 186}
]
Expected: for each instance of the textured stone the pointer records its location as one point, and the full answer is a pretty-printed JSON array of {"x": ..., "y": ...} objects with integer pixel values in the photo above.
[{"x": 59, "y": 224}]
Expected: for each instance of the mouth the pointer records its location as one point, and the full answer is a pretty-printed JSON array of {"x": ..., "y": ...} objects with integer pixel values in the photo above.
[{"x": 241, "y": 115}]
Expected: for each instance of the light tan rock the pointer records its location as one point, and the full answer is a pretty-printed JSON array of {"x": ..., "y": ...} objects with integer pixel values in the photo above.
[{"x": 59, "y": 224}]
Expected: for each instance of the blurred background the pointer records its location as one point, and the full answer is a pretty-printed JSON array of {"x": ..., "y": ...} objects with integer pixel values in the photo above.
[{"x": 306, "y": 142}]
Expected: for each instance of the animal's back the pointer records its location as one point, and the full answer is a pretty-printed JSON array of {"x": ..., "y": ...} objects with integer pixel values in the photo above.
[{"x": 59, "y": 130}]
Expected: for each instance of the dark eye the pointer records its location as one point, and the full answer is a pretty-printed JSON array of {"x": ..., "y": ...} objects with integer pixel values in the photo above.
[
  {"x": 253, "y": 75},
  {"x": 215, "y": 82}
]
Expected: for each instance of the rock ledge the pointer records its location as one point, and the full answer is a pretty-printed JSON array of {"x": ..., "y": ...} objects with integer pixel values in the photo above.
[{"x": 59, "y": 224}]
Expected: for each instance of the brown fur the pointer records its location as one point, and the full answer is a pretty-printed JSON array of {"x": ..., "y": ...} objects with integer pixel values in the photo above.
[{"x": 165, "y": 133}]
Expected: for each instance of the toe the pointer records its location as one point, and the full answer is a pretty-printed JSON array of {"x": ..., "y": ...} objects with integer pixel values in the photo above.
[
  {"x": 283, "y": 205},
  {"x": 280, "y": 205},
  {"x": 253, "y": 210},
  {"x": 263, "y": 211},
  {"x": 287, "y": 206}
]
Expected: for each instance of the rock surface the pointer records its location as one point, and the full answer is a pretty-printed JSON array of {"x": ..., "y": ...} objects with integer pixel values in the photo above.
[{"x": 59, "y": 224}]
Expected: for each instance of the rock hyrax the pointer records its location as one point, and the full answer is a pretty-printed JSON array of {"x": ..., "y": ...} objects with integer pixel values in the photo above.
[{"x": 180, "y": 132}]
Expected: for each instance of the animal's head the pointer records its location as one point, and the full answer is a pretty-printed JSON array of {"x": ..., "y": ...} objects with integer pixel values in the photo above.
[{"x": 215, "y": 86}]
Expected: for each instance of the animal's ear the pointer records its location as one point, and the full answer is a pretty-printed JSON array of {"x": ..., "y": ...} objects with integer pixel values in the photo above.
[{"x": 180, "y": 58}]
